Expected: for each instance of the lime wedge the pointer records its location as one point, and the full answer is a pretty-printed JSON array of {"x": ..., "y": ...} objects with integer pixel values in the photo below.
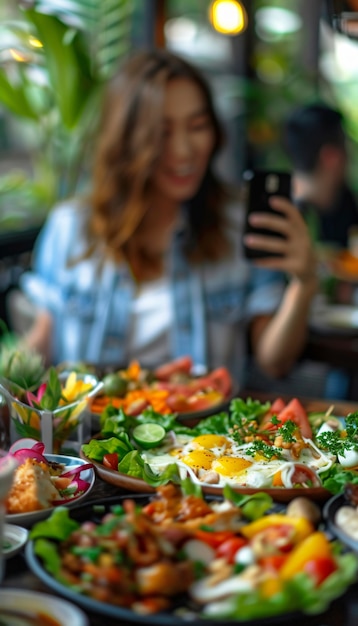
[{"x": 148, "y": 435}]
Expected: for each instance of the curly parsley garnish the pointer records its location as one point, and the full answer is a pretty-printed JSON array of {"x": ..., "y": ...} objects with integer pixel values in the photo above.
[
  {"x": 260, "y": 447},
  {"x": 287, "y": 431},
  {"x": 339, "y": 441}
]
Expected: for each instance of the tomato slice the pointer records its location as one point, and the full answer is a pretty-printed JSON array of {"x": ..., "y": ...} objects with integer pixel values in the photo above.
[
  {"x": 178, "y": 403},
  {"x": 221, "y": 380},
  {"x": 201, "y": 401},
  {"x": 137, "y": 407},
  {"x": 320, "y": 568},
  {"x": 111, "y": 460},
  {"x": 277, "y": 406},
  {"x": 273, "y": 562},
  {"x": 302, "y": 476},
  {"x": 61, "y": 482},
  {"x": 215, "y": 538},
  {"x": 228, "y": 548},
  {"x": 297, "y": 413},
  {"x": 182, "y": 364}
]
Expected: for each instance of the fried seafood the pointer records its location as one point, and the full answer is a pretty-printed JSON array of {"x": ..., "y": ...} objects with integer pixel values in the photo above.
[{"x": 32, "y": 488}]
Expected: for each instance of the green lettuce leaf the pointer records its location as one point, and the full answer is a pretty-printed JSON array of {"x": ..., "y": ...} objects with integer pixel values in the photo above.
[
  {"x": 97, "y": 448},
  {"x": 47, "y": 552},
  {"x": 58, "y": 526},
  {"x": 253, "y": 506}
]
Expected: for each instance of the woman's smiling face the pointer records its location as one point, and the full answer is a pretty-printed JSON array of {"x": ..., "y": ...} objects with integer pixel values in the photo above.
[{"x": 188, "y": 141}]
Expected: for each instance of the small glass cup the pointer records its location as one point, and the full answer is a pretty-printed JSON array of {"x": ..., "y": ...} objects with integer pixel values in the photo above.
[{"x": 67, "y": 424}]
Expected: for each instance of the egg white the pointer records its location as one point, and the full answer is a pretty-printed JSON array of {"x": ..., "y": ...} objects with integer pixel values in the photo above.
[{"x": 202, "y": 461}]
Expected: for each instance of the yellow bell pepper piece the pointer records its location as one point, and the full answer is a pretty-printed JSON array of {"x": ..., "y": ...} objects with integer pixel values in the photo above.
[
  {"x": 270, "y": 587},
  {"x": 301, "y": 526},
  {"x": 315, "y": 545}
]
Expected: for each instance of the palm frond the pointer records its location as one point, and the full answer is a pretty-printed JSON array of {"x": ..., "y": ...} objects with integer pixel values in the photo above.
[{"x": 106, "y": 24}]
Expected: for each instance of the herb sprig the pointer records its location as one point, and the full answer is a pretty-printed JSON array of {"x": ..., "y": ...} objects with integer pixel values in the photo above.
[
  {"x": 267, "y": 450},
  {"x": 339, "y": 441}
]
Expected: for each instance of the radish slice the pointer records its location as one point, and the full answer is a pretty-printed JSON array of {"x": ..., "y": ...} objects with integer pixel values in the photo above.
[
  {"x": 34, "y": 452},
  {"x": 25, "y": 453},
  {"x": 26, "y": 442}
]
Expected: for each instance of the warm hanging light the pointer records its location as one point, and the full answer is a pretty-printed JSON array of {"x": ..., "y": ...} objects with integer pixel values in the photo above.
[
  {"x": 228, "y": 16},
  {"x": 34, "y": 42}
]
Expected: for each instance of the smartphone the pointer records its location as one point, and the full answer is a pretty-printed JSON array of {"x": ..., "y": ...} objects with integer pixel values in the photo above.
[{"x": 262, "y": 185}]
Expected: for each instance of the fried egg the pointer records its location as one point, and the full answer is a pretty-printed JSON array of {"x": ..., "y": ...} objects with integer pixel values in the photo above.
[
  {"x": 199, "y": 459},
  {"x": 215, "y": 459},
  {"x": 217, "y": 444},
  {"x": 230, "y": 466}
]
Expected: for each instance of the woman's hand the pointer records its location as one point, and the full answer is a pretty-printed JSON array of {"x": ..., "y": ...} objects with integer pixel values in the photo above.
[
  {"x": 278, "y": 340},
  {"x": 295, "y": 248}
]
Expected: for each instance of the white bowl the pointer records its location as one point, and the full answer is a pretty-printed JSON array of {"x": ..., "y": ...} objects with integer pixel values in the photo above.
[
  {"x": 64, "y": 613},
  {"x": 14, "y": 539}
]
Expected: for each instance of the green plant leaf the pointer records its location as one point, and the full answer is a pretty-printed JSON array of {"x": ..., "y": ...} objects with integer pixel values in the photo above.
[
  {"x": 51, "y": 398},
  {"x": 68, "y": 65},
  {"x": 14, "y": 97}
]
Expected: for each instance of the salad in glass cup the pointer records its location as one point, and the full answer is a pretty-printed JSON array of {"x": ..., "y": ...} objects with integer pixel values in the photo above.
[{"x": 54, "y": 410}]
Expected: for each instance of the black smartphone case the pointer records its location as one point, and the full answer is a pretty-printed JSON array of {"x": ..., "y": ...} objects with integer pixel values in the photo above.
[{"x": 263, "y": 185}]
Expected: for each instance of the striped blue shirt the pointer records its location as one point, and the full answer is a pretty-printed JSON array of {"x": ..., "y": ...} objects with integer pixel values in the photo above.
[{"x": 91, "y": 300}]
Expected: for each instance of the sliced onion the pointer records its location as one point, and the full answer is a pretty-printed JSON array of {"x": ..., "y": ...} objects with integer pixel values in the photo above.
[
  {"x": 294, "y": 474},
  {"x": 77, "y": 470}
]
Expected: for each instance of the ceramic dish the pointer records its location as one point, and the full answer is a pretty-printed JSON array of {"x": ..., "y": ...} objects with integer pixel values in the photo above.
[
  {"x": 14, "y": 539},
  {"x": 137, "y": 485},
  {"x": 27, "y": 519},
  {"x": 91, "y": 512},
  {"x": 329, "y": 514},
  {"x": 337, "y": 319},
  {"x": 191, "y": 419},
  {"x": 18, "y": 602}
]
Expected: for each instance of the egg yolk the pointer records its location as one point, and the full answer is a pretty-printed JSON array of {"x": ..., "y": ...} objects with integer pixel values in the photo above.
[
  {"x": 199, "y": 459},
  {"x": 230, "y": 466},
  {"x": 210, "y": 441}
]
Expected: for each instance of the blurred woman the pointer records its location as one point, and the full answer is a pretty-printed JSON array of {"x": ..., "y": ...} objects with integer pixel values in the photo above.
[{"x": 150, "y": 265}]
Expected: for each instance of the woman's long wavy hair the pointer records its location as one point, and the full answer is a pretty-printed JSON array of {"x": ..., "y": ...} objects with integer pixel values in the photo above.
[{"x": 129, "y": 143}]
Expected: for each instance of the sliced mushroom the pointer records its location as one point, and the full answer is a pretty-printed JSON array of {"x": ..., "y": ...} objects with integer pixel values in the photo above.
[
  {"x": 203, "y": 592},
  {"x": 303, "y": 507}
]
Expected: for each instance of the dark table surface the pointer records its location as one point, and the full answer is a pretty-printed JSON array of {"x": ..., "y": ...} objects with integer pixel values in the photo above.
[
  {"x": 343, "y": 612},
  {"x": 339, "y": 350}
]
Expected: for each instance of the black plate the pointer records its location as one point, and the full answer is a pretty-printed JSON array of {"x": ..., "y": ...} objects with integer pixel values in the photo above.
[
  {"x": 329, "y": 513},
  {"x": 88, "y": 512}
]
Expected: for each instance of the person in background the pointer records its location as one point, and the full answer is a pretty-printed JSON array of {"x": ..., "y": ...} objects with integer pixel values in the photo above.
[
  {"x": 315, "y": 142},
  {"x": 150, "y": 264}
]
